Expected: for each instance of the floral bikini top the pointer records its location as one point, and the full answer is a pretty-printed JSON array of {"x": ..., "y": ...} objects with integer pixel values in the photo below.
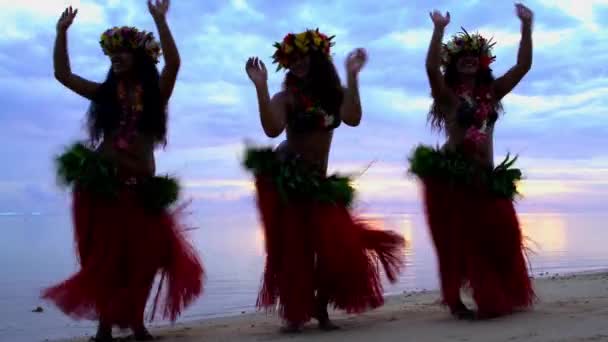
[
  {"x": 476, "y": 113},
  {"x": 308, "y": 115},
  {"x": 129, "y": 115}
]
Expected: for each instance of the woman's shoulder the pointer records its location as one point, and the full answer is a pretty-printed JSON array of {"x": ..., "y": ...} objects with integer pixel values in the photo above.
[{"x": 284, "y": 97}]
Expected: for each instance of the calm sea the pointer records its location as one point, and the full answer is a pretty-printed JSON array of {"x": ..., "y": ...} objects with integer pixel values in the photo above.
[{"x": 37, "y": 251}]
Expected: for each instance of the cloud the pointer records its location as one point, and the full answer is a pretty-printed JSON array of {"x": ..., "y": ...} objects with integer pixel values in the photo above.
[
  {"x": 556, "y": 118},
  {"x": 587, "y": 104},
  {"x": 414, "y": 39},
  {"x": 396, "y": 100},
  {"x": 243, "y": 5},
  {"x": 581, "y": 11},
  {"x": 21, "y": 20},
  {"x": 418, "y": 38},
  {"x": 220, "y": 93}
]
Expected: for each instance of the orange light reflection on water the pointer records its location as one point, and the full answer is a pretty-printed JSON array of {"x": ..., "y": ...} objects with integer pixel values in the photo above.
[
  {"x": 260, "y": 241},
  {"x": 544, "y": 232}
]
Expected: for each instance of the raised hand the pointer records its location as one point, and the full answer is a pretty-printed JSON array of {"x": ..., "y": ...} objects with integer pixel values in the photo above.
[
  {"x": 355, "y": 61},
  {"x": 256, "y": 70},
  {"x": 66, "y": 19},
  {"x": 524, "y": 14},
  {"x": 158, "y": 8},
  {"x": 440, "y": 20}
]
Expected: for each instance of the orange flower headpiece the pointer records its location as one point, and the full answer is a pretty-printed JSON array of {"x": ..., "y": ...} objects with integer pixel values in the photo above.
[
  {"x": 300, "y": 44},
  {"x": 130, "y": 38},
  {"x": 464, "y": 42}
]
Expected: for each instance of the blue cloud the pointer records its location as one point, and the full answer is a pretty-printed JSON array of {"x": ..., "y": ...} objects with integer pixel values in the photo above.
[{"x": 558, "y": 110}]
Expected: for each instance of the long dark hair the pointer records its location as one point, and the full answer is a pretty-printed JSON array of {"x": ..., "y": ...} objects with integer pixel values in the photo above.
[
  {"x": 451, "y": 77},
  {"x": 322, "y": 83},
  {"x": 104, "y": 112}
]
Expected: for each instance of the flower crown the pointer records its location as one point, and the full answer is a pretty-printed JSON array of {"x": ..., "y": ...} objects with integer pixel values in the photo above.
[
  {"x": 130, "y": 38},
  {"x": 471, "y": 43},
  {"x": 300, "y": 43}
]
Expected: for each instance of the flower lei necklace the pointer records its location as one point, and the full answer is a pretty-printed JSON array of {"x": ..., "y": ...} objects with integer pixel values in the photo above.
[
  {"x": 481, "y": 101},
  {"x": 130, "y": 114},
  {"x": 312, "y": 108}
]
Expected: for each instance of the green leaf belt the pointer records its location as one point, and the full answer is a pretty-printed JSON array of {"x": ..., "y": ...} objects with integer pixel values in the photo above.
[
  {"x": 80, "y": 165},
  {"x": 296, "y": 179},
  {"x": 427, "y": 162}
]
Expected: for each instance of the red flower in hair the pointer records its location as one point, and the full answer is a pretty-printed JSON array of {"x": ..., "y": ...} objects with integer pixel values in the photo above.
[
  {"x": 485, "y": 61},
  {"x": 321, "y": 121},
  {"x": 289, "y": 38}
]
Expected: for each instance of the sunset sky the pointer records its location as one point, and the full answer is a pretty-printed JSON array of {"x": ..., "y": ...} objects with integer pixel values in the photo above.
[{"x": 556, "y": 119}]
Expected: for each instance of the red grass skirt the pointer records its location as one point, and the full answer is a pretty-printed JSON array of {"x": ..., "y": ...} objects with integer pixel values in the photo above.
[
  {"x": 478, "y": 242},
  {"x": 121, "y": 247},
  {"x": 314, "y": 247}
]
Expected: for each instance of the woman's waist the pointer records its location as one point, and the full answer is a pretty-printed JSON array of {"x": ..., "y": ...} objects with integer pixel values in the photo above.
[
  {"x": 130, "y": 163},
  {"x": 480, "y": 154},
  {"x": 314, "y": 156}
]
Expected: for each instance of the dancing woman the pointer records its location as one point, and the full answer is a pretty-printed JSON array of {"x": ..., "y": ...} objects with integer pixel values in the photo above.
[
  {"x": 124, "y": 230},
  {"x": 317, "y": 253},
  {"x": 469, "y": 202}
]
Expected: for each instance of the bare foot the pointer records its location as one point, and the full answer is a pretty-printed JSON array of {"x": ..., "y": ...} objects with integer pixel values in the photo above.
[
  {"x": 327, "y": 325},
  {"x": 460, "y": 311},
  {"x": 291, "y": 328},
  {"x": 487, "y": 315},
  {"x": 143, "y": 334}
]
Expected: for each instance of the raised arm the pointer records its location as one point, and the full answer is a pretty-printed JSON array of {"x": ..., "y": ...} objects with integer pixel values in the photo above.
[
  {"x": 504, "y": 84},
  {"x": 159, "y": 9},
  {"x": 273, "y": 111},
  {"x": 61, "y": 59},
  {"x": 439, "y": 89},
  {"x": 351, "y": 112}
]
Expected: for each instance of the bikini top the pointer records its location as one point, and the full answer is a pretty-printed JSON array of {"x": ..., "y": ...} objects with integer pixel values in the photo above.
[
  {"x": 467, "y": 116},
  {"x": 308, "y": 115},
  {"x": 476, "y": 108}
]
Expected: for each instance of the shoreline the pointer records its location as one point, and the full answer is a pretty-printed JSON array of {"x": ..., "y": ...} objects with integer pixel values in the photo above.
[{"x": 570, "y": 307}]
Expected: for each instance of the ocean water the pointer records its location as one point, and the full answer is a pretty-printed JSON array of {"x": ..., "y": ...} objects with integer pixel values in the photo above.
[{"x": 37, "y": 251}]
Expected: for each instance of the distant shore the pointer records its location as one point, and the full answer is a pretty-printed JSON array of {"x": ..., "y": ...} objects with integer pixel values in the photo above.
[{"x": 570, "y": 308}]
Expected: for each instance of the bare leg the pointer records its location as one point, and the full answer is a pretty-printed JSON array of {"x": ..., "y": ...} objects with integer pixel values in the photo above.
[
  {"x": 104, "y": 332},
  {"x": 322, "y": 315},
  {"x": 451, "y": 281},
  {"x": 140, "y": 332}
]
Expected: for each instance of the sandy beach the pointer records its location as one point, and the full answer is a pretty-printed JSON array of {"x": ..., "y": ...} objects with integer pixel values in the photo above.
[{"x": 570, "y": 308}]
